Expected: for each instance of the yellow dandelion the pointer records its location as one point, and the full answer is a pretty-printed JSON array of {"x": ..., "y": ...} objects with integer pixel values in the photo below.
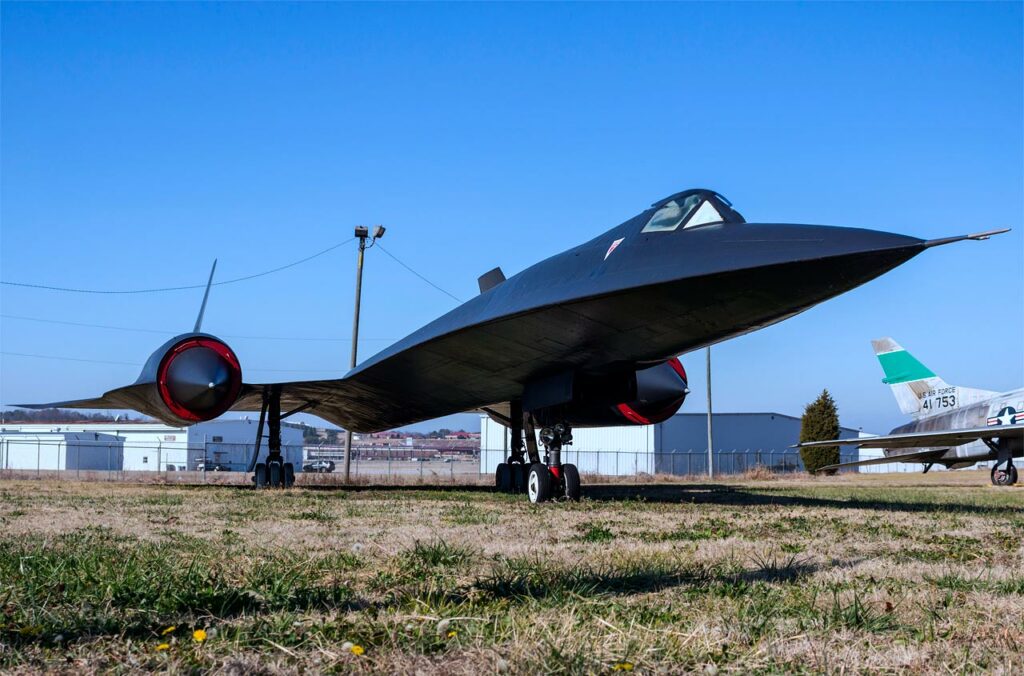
[
  {"x": 453, "y": 634},
  {"x": 163, "y": 646},
  {"x": 357, "y": 650},
  {"x": 168, "y": 630},
  {"x": 199, "y": 635},
  {"x": 623, "y": 666}
]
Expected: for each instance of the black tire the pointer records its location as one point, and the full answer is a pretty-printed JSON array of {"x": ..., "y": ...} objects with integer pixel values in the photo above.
[
  {"x": 503, "y": 478},
  {"x": 274, "y": 474},
  {"x": 520, "y": 475},
  {"x": 1003, "y": 476},
  {"x": 539, "y": 485},
  {"x": 571, "y": 478},
  {"x": 289, "y": 475},
  {"x": 260, "y": 475}
]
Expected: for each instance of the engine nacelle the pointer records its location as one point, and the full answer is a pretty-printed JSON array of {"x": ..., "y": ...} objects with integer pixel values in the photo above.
[
  {"x": 199, "y": 378},
  {"x": 191, "y": 378},
  {"x": 640, "y": 397}
]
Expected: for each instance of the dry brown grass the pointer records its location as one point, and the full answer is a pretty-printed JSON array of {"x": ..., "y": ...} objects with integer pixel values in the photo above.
[{"x": 897, "y": 573}]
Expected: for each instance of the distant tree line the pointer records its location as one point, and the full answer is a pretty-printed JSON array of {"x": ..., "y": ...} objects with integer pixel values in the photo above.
[{"x": 58, "y": 415}]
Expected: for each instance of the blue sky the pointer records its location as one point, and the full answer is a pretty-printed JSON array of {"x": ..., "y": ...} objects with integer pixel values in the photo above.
[{"x": 139, "y": 141}]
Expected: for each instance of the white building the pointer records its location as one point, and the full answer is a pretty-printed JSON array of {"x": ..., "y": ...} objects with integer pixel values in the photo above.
[
  {"x": 61, "y": 451},
  {"x": 158, "y": 447}
]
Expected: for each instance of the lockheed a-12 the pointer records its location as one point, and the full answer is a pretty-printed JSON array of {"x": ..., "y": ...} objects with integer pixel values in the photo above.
[{"x": 588, "y": 337}]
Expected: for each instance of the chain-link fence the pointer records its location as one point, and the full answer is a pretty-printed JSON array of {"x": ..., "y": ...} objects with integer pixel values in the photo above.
[
  {"x": 88, "y": 456},
  {"x": 690, "y": 463}
]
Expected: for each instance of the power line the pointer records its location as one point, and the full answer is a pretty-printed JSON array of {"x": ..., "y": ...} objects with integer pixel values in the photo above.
[
  {"x": 174, "y": 333},
  {"x": 48, "y": 356},
  {"x": 128, "y": 363},
  {"x": 180, "y": 288},
  {"x": 392, "y": 257}
]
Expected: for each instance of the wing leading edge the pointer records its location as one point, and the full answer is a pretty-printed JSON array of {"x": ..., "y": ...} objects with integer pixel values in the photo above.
[
  {"x": 924, "y": 457},
  {"x": 943, "y": 438}
]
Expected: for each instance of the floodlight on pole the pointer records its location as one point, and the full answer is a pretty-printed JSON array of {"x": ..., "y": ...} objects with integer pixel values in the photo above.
[{"x": 361, "y": 233}]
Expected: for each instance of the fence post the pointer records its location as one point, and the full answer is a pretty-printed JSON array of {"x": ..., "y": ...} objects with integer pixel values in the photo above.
[{"x": 39, "y": 462}]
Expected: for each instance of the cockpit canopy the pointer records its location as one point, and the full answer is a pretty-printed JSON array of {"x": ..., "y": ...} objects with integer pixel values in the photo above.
[{"x": 689, "y": 209}]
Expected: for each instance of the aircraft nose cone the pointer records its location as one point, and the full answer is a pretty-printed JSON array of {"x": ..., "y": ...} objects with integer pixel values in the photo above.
[
  {"x": 740, "y": 278},
  {"x": 199, "y": 379},
  {"x": 787, "y": 268},
  {"x": 771, "y": 244}
]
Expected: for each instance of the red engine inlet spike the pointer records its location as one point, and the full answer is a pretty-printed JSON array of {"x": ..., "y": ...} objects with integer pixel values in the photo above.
[{"x": 199, "y": 379}]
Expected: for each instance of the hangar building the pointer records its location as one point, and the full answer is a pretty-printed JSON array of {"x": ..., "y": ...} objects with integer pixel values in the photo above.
[
  {"x": 62, "y": 451},
  {"x": 149, "y": 446},
  {"x": 677, "y": 446}
]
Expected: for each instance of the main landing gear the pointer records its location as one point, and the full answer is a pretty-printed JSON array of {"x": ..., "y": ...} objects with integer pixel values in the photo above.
[
  {"x": 541, "y": 481},
  {"x": 274, "y": 472},
  {"x": 511, "y": 476},
  {"x": 1004, "y": 473}
]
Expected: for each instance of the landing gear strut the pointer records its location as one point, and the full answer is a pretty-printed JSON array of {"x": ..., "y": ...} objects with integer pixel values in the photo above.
[
  {"x": 274, "y": 472},
  {"x": 1004, "y": 473},
  {"x": 511, "y": 475},
  {"x": 551, "y": 479}
]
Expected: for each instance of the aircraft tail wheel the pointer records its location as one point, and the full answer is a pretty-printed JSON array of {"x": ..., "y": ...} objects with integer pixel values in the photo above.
[
  {"x": 520, "y": 477},
  {"x": 539, "y": 483},
  {"x": 289, "y": 475},
  {"x": 503, "y": 478},
  {"x": 274, "y": 474},
  {"x": 571, "y": 476},
  {"x": 260, "y": 475},
  {"x": 1004, "y": 476}
]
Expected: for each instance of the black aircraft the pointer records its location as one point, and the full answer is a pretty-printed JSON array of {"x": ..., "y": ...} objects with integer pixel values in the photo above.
[{"x": 587, "y": 337}]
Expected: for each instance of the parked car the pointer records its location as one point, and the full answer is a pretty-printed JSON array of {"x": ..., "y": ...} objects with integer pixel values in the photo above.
[
  {"x": 216, "y": 467},
  {"x": 319, "y": 466}
]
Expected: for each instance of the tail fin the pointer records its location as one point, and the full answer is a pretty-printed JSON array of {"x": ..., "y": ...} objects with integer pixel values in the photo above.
[
  {"x": 918, "y": 391},
  {"x": 206, "y": 297}
]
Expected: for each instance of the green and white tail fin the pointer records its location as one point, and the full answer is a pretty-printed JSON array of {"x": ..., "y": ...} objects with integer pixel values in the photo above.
[{"x": 918, "y": 391}]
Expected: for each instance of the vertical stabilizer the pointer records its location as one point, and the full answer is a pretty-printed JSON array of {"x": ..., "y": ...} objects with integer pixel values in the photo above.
[
  {"x": 206, "y": 296},
  {"x": 918, "y": 391}
]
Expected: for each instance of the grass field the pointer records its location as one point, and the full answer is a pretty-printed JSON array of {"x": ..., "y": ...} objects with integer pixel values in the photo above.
[{"x": 896, "y": 574}]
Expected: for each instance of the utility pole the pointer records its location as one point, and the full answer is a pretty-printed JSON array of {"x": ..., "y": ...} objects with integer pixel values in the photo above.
[
  {"x": 711, "y": 458},
  {"x": 361, "y": 233}
]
